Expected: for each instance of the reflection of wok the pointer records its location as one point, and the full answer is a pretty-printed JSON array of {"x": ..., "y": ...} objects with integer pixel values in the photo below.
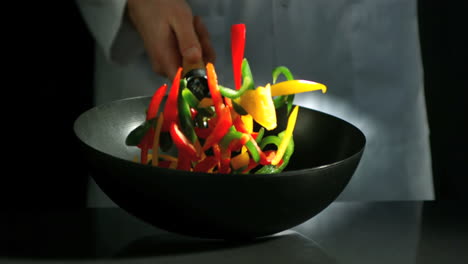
[
  {"x": 327, "y": 152},
  {"x": 295, "y": 248}
]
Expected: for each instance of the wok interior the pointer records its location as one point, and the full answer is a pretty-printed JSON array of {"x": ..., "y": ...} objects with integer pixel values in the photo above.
[{"x": 320, "y": 139}]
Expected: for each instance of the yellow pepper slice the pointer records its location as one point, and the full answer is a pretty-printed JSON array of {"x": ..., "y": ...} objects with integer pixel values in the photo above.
[
  {"x": 241, "y": 160},
  {"x": 296, "y": 86},
  {"x": 167, "y": 157},
  {"x": 155, "y": 158},
  {"x": 205, "y": 102},
  {"x": 287, "y": 136},
  {"x": 248, "y": 122},
  {"x": 259, "y": 104}
]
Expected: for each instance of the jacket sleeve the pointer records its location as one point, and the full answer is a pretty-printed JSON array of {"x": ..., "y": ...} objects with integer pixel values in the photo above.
[{"x": 112, "y": 29}]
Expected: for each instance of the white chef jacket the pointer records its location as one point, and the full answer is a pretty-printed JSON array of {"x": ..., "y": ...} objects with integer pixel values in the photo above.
[{"x": 366, "y": 52}]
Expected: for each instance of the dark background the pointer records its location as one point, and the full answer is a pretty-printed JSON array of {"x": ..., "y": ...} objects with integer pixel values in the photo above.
[
  {"x": 53, "y": 57},
  {"x": 445, "y": 52}
]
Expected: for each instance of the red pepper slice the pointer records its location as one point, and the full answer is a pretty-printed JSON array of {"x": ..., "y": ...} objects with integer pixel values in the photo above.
[
  {"x": 185, "y": 147},
  {"x": 223, "y": 159},
  {"x": 255, "y": 148},
  {"x": 239, "y": 124},
  {"x": 269, "y": 156},
  {"x": 228, "y": 102},
  {"x": 144, "y": 155},
  {"x": 235, "y": 145},
  {"x": 203, "y": 132},
  {"x": 252, "y": 164},
  {"x": 206, "y": 165},
  {"x": 254, "y": 135},
  {"x": 164, "y": 163},
  {"x": 225, "y": 165},
  {"x": 145, "y": 145},
  {"x": 217, "y": 152},
  {"x": 147, "y": 141},
  {"x": 212, "y": 122},
  {"x": 214, "y": 89},
  {"x": 221, "y": 128},
  {"x": 193, "y": 112},
  {"x": 237, "y": 51},
  {"x": 225, "y": 162},
  {"x": 184, "y": 161},
  {"x": 155, "y": 102},
  {"x": 170, "y": 109}
]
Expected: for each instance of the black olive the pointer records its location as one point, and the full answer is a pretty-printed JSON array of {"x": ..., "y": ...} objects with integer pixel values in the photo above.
[{"x": 197, "y": 83}]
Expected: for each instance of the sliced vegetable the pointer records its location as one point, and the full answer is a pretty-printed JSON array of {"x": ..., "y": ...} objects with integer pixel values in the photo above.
[
  {"x": 237, "y": 50},
  {"x": 239, "y": 109},
  {"x": 214, "y": 89},
  {"x": 171, "y": 109},
  {"x": 205, "y": 102},
  {"x": 296, "y": 86},
  {"x": 184, "y": 161},
  {"x": 259, "y": 104},
  {"x": 247, "y": 83},
  {"x": 281, "y": 100},
  {"x": 221, "y": 128},
  {"x": 274, "y": 140},
  {"x": 167, "y": 157},
  {"x": 135, "y": 137},
  {"x": 254, "y": 150},
  {"x": 157, "y": 132},
  {"x": 185, "y": 118},
  {"x": 182, "y": 143},
  {"x": 287, "y": 136},
  {"x": 248, "y": 122},
  {"x": 190, "y": 98},
  {"x": 217, "y": 134},
  {"x": 145, "y": 145},
  {"x": 260, "y": 134},
  {"x": 240, "y": 161},
  {"x": 155, "y": 102},
  {"x": 229, "y": 137},
  {"x": 287, "y": 156},
  {"x": 206, "y": 165},
  {"x": 282, "y": 70}
]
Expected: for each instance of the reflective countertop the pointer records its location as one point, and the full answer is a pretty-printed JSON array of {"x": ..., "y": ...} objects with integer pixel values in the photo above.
[{"x": 345, "y": 232}]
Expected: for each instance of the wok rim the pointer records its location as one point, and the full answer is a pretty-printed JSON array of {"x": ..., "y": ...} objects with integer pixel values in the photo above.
[{"x": 285, "y": 173}]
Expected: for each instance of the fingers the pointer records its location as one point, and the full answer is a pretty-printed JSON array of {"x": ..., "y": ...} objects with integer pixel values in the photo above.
[
  {"x": 187, "y": 39},
  {"x": 165, "y": 56},
  {"x": 208, "y": 52},
  {"x": 171, "y": 35},
  {"x": 161, "y": 46}
]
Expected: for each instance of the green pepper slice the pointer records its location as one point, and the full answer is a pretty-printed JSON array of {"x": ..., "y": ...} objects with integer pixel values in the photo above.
[
  {"x": 284, "y": 99},
  {"x": 185, "y": 117},
  {"x": 269, "y": 169},
  {"x": 247, "y": 83}
]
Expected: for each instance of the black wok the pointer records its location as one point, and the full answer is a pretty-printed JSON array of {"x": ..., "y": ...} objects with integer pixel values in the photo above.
[{"x": 327, "y": 152}]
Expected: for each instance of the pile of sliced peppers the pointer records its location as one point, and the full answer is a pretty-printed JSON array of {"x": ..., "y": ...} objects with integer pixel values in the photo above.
[{"x": 216, "y": 134}]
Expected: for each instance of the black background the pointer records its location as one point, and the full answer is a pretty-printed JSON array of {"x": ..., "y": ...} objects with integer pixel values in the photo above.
[
  {"x": 52, "y": 57},
  {"x": 444, "y": 50}
]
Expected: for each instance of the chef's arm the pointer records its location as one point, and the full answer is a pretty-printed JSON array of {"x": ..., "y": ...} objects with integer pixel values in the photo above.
[
  {"x": 165, "y": 29},
  {"x": 112, "y": 29}
]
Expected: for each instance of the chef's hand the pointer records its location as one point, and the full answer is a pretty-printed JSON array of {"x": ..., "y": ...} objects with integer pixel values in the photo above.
[{"x": 171, "y": 34}]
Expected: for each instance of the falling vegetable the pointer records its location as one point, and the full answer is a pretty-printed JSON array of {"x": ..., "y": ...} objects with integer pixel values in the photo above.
[
  {"x": 287, "y": 136},
  {"x": 229, "y": 130},
  {"x": 295, "y": 87},
  {"x": 238, "y": 33},
  {"x": 259, "y": 104}
]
